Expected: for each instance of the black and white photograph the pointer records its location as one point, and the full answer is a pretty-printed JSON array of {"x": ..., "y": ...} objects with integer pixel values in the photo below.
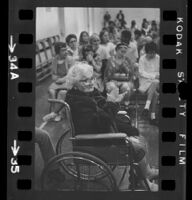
[{"x": 97, "y": 99}]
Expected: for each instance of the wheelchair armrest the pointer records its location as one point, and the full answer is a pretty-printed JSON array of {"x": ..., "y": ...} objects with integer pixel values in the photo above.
[
  {"x": 105, "y": 139},
  {"x": 56, "y": 101},
  {"x": 61, "y": 104},
  {"x": 100, "y": 136},
  {"x": 59, "y": 101}
]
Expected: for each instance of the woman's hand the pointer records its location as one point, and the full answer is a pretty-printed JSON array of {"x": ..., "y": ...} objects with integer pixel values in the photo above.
[
  {"x": 120, "y": 74},
  {"x": 120, "y": 77},
  {"x": 90, "y": 58},
  {"x": 115, "y": 97}
]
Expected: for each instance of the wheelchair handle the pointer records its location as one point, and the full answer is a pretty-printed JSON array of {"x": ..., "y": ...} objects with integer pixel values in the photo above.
[
  {"x": 43, "y": 124},
  {"x": 59, "y": 101},
  {"x": 66, "y": 105}
]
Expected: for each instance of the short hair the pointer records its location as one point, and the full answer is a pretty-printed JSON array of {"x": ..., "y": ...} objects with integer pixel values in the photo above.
[
  {"x": 154, "y": 25},
  {"x": 77, "y": 72},
  {"x": 143, "y": 23},
  {"x": 69, "y": 37},
  {"x": 126, "y": 36},
  {"x": 85, "y": 50},
  {"x": 119, "y": 45},
  {"x": 105, "y": 29},
  {"x": 111, "y": 23},
  {"x": 137, "y": 32},
  {"x": 81, "y": 36},
  {"x": 151, "y": 47},
  {"x": 144, "y": 20},
  {"x": 58, "y": 46},
  {"x": 101, "y": 35},
  {"x": 133, "y": 23}
]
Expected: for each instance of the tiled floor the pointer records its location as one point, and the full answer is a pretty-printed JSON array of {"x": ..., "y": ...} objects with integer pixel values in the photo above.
[{"x": 56, "y": 129}]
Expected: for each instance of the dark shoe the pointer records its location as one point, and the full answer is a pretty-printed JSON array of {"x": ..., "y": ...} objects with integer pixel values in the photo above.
[
  {"x": 145, "y": 113},
  {"x": 154, "y": 122}
]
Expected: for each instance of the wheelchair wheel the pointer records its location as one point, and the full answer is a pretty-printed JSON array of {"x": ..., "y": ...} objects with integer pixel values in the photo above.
[
  {"x": 83, "y": 164},
  {"x": 60, "y": 148},
  {"x": 63, "y": 142}
]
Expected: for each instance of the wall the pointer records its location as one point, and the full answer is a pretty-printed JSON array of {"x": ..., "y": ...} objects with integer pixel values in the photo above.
[
  {"x": 47, "y": 22},
  {"x": 75, "y": 21},
  {"x": 97, "y": 20}
]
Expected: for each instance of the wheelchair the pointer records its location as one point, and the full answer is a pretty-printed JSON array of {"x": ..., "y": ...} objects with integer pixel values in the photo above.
[{"x": 91, "y": 164}]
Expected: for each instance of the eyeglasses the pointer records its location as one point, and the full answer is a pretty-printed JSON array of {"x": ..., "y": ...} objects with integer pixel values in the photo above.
[
  {"x": 88, "y": 80},
  {"x": 96, "y": 40},
  {"x": 123, "y": 47},
  {"x": 63, "y": 49},
  {"x": 73, "y": 41},
  {"x": 151, "y": 52}
]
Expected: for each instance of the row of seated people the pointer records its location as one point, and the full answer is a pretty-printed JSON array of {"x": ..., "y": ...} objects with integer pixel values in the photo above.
[
  {"x": 120, "y": 23},
  {"x": 148, "y": 29},
  {"x": 118, "y": 68},
  {"x": 92, "y": 113}
]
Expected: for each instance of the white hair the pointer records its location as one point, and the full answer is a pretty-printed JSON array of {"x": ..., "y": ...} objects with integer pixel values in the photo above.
[{"x": 77, "y": 72}]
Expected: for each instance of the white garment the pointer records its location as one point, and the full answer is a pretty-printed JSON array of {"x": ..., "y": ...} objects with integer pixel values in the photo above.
[
  {"x": 74, "y": 54},
  {"x": 101, "y": 51},
  {"x": 148, "y": 70},
  {"x": 110, "y": 48}
]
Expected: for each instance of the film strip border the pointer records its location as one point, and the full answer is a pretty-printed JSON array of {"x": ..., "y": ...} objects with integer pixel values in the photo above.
[
  {"x": 21, "y": 96},
  {"x": 21, "y": 62},
  {"x": 173, "y": 102}
]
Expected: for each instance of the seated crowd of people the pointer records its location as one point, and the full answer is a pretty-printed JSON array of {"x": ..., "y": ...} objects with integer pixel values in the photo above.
[
  {"x": 121, "y": 64},
  {"x": 98, "y": 74}
]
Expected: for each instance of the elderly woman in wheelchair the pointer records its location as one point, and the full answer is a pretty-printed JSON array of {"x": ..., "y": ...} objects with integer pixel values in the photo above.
[{"x": 96, "y": 119}]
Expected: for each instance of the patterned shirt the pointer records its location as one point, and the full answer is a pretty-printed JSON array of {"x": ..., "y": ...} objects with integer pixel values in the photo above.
[{"x": 113, "y": 68}]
